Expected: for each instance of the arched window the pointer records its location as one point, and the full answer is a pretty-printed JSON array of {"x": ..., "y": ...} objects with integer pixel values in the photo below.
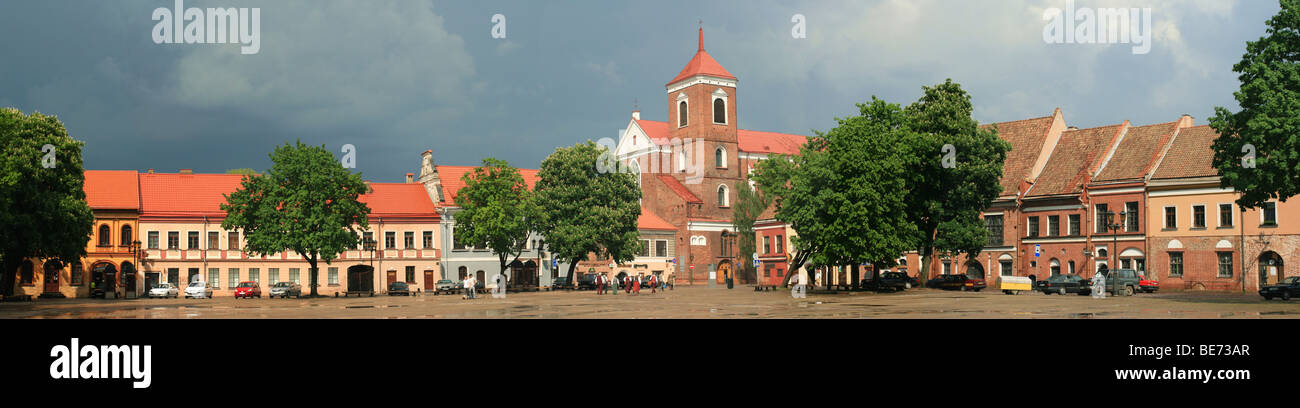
[
  {"x": 127, "y": 237},
  {"x": 681, "y": 114},
  {"x": 720, "y": 157},
  {"x": 462, "y": 272},
  {"x": 105, "y": 235},
  {"x": 719, "y": 111},
  {"x": 722, "y": 196}
]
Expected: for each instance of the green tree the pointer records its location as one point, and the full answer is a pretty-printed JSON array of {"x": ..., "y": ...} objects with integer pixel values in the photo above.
[
  {"x": 244, "y": 171},
  {"x": 949, "y": 189},
  {"x": 498, "y": 211},
  {"x": 773, "y": 178},
  {"x": 845, "y": 192},
  {"x": 750, "y": 204},
  {"x": 584, "y": 210},
  {"x": 306, "y": 203},
  {"x": 43, "y": 210},
  {"x": 1269, "y": 121}
]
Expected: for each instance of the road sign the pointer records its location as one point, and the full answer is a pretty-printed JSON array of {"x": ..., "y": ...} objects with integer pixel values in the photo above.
[
  {"x": 755, "y": 262},
  {"x": 1038, "y": 250},
  {"x": 555, "y": 264}
]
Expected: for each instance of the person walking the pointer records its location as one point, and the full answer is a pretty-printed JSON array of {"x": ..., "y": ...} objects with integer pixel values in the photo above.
[
  {"x": 654, "y": 283},
  {"x": 600, "y": 285},
  {"x": 627, "y": 284},
  {"x": 636, "y": 285}
]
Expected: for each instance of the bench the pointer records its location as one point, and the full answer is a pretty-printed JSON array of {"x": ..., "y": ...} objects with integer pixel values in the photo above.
[{"x": 359, "y": 293}]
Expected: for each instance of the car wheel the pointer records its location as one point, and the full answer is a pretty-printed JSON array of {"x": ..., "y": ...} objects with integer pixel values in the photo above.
[
  {"x": 907, "y": 285},
  {"x": 1060, "y": 291},
  {"x": 1128, "y": 291},
  {"x": 1286, "y": 295}
]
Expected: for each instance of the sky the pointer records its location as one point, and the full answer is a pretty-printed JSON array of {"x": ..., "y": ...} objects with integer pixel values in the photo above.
[{"x": 394, "y": 78}]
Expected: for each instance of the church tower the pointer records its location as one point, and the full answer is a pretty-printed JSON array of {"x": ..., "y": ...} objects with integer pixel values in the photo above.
[{"x": 702, "y": 108}]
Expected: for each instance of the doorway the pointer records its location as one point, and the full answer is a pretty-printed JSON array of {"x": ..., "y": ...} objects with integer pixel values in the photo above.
[
  {"x": 724, "y": 271},
  {"x": 1270, "y": 269},
  {"x": 51, "y": 278},
  {"x": 392, "y": 277},
  {"x": 128, "y": 277},
  {"x": 428, "y": 279},
  {"x": 361, "y": 278}
]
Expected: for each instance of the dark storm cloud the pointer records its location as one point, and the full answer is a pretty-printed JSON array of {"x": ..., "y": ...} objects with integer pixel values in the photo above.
[{"x": 397, "y": 77}]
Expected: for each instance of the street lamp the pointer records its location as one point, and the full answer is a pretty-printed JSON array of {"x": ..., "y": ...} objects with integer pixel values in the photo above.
[{"x": 1113, "y": 224}]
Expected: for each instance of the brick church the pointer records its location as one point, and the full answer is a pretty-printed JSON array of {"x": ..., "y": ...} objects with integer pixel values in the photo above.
[{"x": 689, "y": 165}]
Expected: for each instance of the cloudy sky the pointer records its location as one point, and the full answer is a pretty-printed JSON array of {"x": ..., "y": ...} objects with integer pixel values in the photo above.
[{"x": 397, "y": 77}]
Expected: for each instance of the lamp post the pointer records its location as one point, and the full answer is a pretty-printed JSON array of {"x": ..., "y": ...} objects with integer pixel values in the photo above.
[
  {"x": 134, "y": 249},
  {"x": 1113, "y": 224}
]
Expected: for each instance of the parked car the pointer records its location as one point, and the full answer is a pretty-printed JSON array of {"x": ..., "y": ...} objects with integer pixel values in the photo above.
[
  {"x": 958, "y": 282},
  {"x": 199, "y": 289},
  {"x": 248, "y": 289},
  {"x": 587, "y": 281},
  {"x": 399, "y": 288},
  {"x": 285, "y": 289},
  {"x": 1285, "y": 289},
  {"x": 561, "y": 283},
  {"x": 446, "y": 286},
  {"x": 1121, "y": 281},
  {"x": 1062, "y": 284},
  {"x": 1147, "y": 285},
  {"x": 164, "y": 290},
  {"x": 888, "y": 281}
]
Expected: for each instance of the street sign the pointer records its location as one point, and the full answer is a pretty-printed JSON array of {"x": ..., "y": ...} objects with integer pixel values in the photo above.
[
  {"x": 555, "y": 264},
  {"x": 756, "y": 262},
  {"x": 1038, "y": 250}
]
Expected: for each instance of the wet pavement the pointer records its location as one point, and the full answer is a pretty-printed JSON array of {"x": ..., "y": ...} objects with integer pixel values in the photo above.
[{"x": 684, "y": 302}]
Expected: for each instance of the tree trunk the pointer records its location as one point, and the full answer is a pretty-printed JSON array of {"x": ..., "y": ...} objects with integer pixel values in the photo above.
[
  {"x": 314, "y": 269},
  {"x": 9, "y": 274},
  {"x": 573, "y": 265}
]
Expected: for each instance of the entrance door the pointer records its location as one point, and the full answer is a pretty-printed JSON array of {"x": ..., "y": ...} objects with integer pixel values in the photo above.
[
  {"x": 174, "y": 276},
  {"x": 1270, "y": 269},
  {"x": 361, "y": 278},
  {"x": 128, "y": 277},
  {"x": 428, "y": 279},
  {"x": 52, "y": 270},
  {"x": 724, "y": 271},
  {"x": 392, "y": 277}
]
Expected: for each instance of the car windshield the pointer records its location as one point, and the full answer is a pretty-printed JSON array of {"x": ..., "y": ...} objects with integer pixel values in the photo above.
[
  {"x": 282, "y": 285},
  {"x": 247, "y": 284},
  {"x": 1292, "y": 280},
  {"x": 196, "y": 285}
]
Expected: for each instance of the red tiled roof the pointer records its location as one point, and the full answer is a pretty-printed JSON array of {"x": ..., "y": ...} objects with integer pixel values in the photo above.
[
  {"x": 677, "y": 187},
  {"x": 650, "y": 221},
  {"x": 754, "y": 141},
  {"x": 750, "y": 141},
  {"x": 186, "y": 194},
  {"x": 112, "y": 189},
  {"x": 702, "y": 64},
  {"x": 1190, "y": 155},
  {"x": 452, "y": 182},
  {"x": 1026, "y": 138},
  {"x": 1137, "y": 152},
  {"x": 1072, "y": 159},
  {"x": 398, "y": 199}
]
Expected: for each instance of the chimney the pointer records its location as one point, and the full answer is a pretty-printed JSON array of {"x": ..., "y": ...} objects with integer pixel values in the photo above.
[
  {"x": 1072, "y": 128},
  {"x": 410, "y": 178},
  {"x": 1186, "y": 121},
  {"x": 187, "y": 171},
  {"x": 636, "y": 114}
]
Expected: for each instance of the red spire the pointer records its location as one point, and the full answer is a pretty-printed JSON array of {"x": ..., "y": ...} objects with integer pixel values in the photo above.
[{"x": 702, "y": 64}]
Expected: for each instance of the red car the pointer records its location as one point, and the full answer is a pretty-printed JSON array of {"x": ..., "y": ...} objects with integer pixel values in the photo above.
[
  {"x": 248, "y": 290},
  {"x": 1147, "y": 285}
]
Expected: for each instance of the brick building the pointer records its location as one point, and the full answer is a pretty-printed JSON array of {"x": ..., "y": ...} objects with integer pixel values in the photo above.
[{"x": 689, "y": 165}]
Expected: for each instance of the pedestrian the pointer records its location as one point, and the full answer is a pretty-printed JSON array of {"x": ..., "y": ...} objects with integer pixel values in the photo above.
[
  {"x": 654, "y": 282},
  {"x": 627, "y": 284},
  {"x": 600, "y": 288},
  {"x": 636, "y": 286}
]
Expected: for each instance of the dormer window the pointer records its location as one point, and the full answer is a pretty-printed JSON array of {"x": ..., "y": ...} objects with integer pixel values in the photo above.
[{"x": 720, "y": 107}]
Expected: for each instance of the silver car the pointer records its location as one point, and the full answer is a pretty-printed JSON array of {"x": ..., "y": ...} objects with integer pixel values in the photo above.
[
  {"x": 164, "y": 290},
  {"x": 198, "y": 289},
  {"x": 285, "y": 289}
]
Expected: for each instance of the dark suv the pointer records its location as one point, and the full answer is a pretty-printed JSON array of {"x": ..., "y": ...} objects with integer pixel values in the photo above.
[
  {"x": 888, "y": 281},
  {"x": 587, "y": 282},
  {"x": 1122, "y": 281}
]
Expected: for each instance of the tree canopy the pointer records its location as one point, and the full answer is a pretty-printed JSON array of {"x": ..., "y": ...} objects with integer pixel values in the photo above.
[
  {"x": 498, "y": 210},
  {"x": 306, "y": 203},
  {"x": 1268, "y": 125},
  {"x": 43, "y": 209},
  {"x": 584, "y": 210}
]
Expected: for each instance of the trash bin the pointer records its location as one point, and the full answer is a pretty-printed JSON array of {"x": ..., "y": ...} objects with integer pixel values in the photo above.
[{"x": 730, "y": 283}]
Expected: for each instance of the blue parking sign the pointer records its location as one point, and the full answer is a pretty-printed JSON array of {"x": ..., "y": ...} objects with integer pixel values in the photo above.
[{"x": 1038, "y": 250}]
